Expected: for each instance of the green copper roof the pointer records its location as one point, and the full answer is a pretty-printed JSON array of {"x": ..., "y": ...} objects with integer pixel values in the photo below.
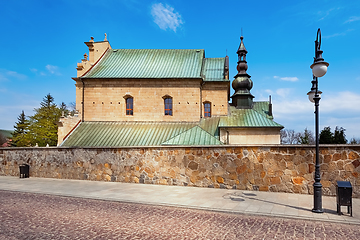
[
  {"x": 193, "y": 136},
  {"x": 247, "y": 118},
  {"x": 210, "y": 125},
  {"x": 149, "y": 63},
  {"x": 158, "y": 63},
  {"x": 262, "y": 108},
  {"x": 214, "y": 69},
  {"x": 116, "y": 134}
]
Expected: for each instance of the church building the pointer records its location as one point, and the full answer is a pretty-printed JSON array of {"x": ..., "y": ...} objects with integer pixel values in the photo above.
[{"x": 154, "y": 97}]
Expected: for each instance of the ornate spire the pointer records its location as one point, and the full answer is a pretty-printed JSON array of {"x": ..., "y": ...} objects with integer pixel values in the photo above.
[
  {"x": 241, "y": 52},
  {"x": 242, "y": 83}
]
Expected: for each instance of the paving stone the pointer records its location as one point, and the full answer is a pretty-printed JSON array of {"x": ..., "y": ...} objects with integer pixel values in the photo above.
[{"x": 39, "y": 216}]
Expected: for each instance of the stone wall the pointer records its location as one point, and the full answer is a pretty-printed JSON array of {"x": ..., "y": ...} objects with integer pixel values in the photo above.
[{"x": 277, "y": 168}]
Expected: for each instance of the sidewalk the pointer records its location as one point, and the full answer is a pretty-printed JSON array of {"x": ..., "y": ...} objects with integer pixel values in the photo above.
[{"x": 287, "y": 205}]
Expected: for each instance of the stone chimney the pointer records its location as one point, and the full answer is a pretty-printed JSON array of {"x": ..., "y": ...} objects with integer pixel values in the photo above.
[{"x": 226, "y": 73}]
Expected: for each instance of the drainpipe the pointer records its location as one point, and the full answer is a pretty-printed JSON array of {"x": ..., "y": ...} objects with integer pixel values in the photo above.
[
  {"x": 82, "y": 103},
  {"x": 227, "y": 137},
  {"x": 270, "y": 106},
  {"x": 201, "y": 100}
]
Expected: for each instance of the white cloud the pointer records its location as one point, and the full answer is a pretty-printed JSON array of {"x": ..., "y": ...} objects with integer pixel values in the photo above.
[
  {"x": 290, "y": 79},
  {"x": 352, "y": 19},
  {"x": 268, "y": 91},
  {"x": 166, "y": 17},
  {"x": 3, "y": 77},
  {"x": 338, "y": 103},
  {"x": 52, "y": 69},
  {"x": 6, "y": 75},
  {"x": 338, "y": 34},
  {"x": 283, "y": 92},
  {"x": 336, "y": 109},
  {"x": 342, "y": 102},
  {"x": 351, "y": 125},
  {"x": 325, "y": 14}
]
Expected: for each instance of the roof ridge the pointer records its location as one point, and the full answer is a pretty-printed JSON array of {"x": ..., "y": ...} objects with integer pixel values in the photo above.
[
  {"x": 248, "y": 121},
  {"x": 152, "y": 122},
  {"x": 103, "y": 56},
  {"x": 165, "y": 49},
  {"x": 190, "y": 129}
]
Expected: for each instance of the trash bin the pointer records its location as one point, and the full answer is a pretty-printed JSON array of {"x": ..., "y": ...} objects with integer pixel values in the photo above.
[
  {"x": 344, "y": 196},
  {"x": 24, "y": 170}
]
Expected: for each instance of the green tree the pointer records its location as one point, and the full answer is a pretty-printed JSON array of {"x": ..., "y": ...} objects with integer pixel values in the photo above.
[
  {"x": 339, "y": 136},
  {"x": 43, "y": 125},
  {"x": 307, "y": 137},
  {"x": 326, "y": 136},
  {"x": 63, "y": 109},
  {"x": 20, "y": 135}
]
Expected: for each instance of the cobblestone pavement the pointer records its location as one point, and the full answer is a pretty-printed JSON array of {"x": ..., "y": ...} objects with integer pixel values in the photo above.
[{"x": 38, "y": 216}]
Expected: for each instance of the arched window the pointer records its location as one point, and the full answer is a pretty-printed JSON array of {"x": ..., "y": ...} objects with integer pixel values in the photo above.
[
  {"x": 129, "y": 106},
  {"x": 168, "y": 106},
  {"x": 207, "y": 109}
]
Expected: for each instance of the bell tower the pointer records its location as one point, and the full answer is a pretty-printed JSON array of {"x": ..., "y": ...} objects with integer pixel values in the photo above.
[{"x": 242, "y": 84}]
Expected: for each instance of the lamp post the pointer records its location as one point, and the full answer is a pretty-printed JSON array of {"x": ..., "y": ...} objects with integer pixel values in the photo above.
[{"x": 319, "y": 68}]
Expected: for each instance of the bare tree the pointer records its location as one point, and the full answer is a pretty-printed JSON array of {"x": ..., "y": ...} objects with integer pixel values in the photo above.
[
  {"x": 354, "y": 141},
  {"x": 289, "y": 136}
]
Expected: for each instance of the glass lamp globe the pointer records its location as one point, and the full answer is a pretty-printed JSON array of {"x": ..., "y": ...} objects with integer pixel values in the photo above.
[
  {"x": 311, "y": 95},
  {"x": 319, "y": 69}
]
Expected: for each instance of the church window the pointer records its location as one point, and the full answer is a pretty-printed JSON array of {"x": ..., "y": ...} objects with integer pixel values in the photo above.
[
  {"x": 207, "y": 109},
  {"x": 168, "y": 106},
  {"x": 129, "y": 106}
]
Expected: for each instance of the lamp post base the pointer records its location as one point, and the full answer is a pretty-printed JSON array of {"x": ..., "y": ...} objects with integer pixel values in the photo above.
[
  {"x": 317, "y": 210},
  {"x": 317, "y": 198}
]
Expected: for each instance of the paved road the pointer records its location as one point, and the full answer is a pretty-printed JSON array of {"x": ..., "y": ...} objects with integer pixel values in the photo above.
[
  {"x": 38, "y": 216},
  {"x": 284, "y": 205}
]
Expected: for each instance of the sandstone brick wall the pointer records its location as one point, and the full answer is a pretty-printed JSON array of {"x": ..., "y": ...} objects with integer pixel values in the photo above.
[
  {"x": 66, "y": 125},
  {"x": 104, "y": 99},
  {"x": 277, "y": 168},
  {"x": 217, "y": 94}
]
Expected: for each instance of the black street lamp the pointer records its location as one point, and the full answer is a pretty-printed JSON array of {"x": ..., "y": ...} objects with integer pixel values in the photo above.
[{"x": 319, "y": 68}]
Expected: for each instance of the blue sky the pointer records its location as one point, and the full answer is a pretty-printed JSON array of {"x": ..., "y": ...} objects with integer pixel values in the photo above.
[{"x": 42, "y": 41}]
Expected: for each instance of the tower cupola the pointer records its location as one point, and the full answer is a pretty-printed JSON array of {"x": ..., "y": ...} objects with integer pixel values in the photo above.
[{"x": 242, "y": 84}]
